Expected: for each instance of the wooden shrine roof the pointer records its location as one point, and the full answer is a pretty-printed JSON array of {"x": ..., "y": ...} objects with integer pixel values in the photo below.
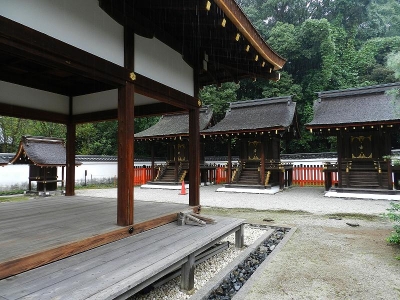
[
  {"x": 4, "y": 159},
  {"x": 259, "y": 115},
  {"x": 174, "y": 125},
  {"x": 213, "y": 36},
  {"x": 370, "y": 105},
  {"x": 41, "y": 151}
]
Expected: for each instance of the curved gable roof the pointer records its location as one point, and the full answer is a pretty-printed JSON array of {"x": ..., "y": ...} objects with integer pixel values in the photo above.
[
  {"x": 356, "y": 106},
  {"x": 40, "y": 151},
  {"x": 176, "y": 125},
  {"x": 277, "y": 113}
]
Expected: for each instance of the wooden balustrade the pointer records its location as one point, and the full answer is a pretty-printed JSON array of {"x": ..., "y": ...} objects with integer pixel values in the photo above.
[{"x": 311, "y": 175}]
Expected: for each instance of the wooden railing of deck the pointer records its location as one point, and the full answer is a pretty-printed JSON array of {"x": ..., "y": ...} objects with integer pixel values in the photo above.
[{"x": 311, "y": 175}]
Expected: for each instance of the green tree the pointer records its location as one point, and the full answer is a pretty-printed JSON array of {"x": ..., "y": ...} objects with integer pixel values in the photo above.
[
  {"x": 11, "y": 131},
  {"x": 219, "y": 97},
  {"x": 48, "y": 129},
  {"x": 383, "y": 20},
  {"x": 393, "y": 63},
  {"x": 371, "y": 60}
]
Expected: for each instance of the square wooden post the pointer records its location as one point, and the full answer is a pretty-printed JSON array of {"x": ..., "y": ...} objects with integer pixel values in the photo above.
[
  {"x": 152, "y": 161},
  {"x": 70, "y": 160},
  {"x": 187, "y": 275},
  {"x": 125, "y": 155},
  {"x": 194, "y": 157},
  {"x": 239, "y": 237},
  {"x": 229, "y": 175},
  {"x": 262, "y": 164},
  {"x": 176, "y": 161}
]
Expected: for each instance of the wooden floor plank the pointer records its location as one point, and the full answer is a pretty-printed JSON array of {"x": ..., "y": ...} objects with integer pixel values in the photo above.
[
  {"x": 75, "y": 265},
  {"x": 61, "y": 220},
  {"x": 137, "y": 257}
]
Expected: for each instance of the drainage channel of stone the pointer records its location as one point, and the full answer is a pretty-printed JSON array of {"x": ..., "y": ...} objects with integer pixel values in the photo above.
[
  {"x": 224, "y": 274},
  {"x": 232, "y": 279}
]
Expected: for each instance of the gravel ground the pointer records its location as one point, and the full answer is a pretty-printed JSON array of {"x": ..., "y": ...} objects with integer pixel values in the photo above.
[
  {"x": 307, "y": 199},
  {"x": 325, "y": 258}
]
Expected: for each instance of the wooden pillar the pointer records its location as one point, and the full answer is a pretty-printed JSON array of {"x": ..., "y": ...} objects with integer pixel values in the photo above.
[
  {"x": 339, "y": 161},
  {"x": 239, "y": 237},
  {"x": 229, "y": 175},
  {"x": 262, "y": 165},
  {"x": 70, "y": 163},
  {"x": 389, "y": 175},
  {"x": 152, "y": 161},
  {"x": 125, "y": 154},
  {"x": 194, "y": 157},
  {"x": 187, "y": 274},
  {"x": 62, "y": 177},
  {"x": 176, "y": 162}
]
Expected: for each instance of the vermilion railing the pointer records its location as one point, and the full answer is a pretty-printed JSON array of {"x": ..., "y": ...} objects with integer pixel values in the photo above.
[
  {"x": 220, "y": 175},
  {"x": 311, "y": 175},
  {"x": 303, "y": 175},
  {"x": 143, "y": 175}
]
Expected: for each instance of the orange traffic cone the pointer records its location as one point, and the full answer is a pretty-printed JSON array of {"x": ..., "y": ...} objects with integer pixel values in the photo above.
[{"x": 183, "y": 189}]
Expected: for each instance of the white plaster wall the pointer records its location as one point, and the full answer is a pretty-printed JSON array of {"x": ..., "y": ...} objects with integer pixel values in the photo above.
[
  {"x": 96, "y": 171},
  {"x": 161, "y": 63},
  {"x": 18, "y": 174},
  {"x": 104, "y": 101},
  {"x": 82, "y": 24},
  {"x": 95, "y": 102},
  {"x": 13, "y": 174},
  {"x": 24, "y": 96}
]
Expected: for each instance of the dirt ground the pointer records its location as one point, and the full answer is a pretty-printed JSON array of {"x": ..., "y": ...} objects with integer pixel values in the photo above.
[{"x": 326, "y": 258}]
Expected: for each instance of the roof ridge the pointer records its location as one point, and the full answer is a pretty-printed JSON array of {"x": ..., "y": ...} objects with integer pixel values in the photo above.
[
  {"x": 263, "y": 101},
  {"x": 373, "y": 89}
]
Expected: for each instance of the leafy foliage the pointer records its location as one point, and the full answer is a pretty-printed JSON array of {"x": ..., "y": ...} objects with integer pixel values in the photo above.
[
  {"x": 394, "y": 216},
  {"x": 219, "y": 97}
]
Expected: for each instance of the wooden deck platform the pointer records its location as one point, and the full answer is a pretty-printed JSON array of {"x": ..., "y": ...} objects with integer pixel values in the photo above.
[
  {"x": 120, "y": 269},
  {"x": 43, "y": 230}
]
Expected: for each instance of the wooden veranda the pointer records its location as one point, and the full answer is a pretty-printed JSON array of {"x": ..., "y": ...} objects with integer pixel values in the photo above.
[
  {"x": 41, "y": 230},
  {"x": 116, "y": 270}
]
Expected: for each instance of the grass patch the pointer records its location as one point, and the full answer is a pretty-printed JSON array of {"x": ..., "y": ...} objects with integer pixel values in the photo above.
[
  {"x": 96, "y": 186},
  {"x": 355, "y": 216},
  {"x": 12, "y": 192},
  {"x": 229, "y": 211},
  {"x": 13, "y": 198}
]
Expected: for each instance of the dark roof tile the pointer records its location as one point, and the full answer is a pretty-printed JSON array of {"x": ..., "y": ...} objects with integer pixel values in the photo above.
[
  {"x": 356, "y": 106},
  {"x": 176, "y": 124},
  {"x": 256, "y": 115},
  {"x": 42, "y": 151}
]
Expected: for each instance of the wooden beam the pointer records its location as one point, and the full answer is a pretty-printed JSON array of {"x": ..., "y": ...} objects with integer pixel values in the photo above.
[
  {"x": 33, "y": 45},
  {"x": 32, "y": 114},
  {"x": 194, "y": 157},
  {"x": 125, "y": 154},
  {"x": 156, "y": 109},
  {"x": 232, "y": 10},
  {"x": 153, "y": 89}
]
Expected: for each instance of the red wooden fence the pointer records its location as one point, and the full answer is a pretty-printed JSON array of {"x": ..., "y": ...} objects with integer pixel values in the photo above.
[
  {"x": 303, "y": 175},
  {"x": 311, "y": 175},
  {"x": 220, "y": 175},
  {"x": 143, "y": 175}
]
